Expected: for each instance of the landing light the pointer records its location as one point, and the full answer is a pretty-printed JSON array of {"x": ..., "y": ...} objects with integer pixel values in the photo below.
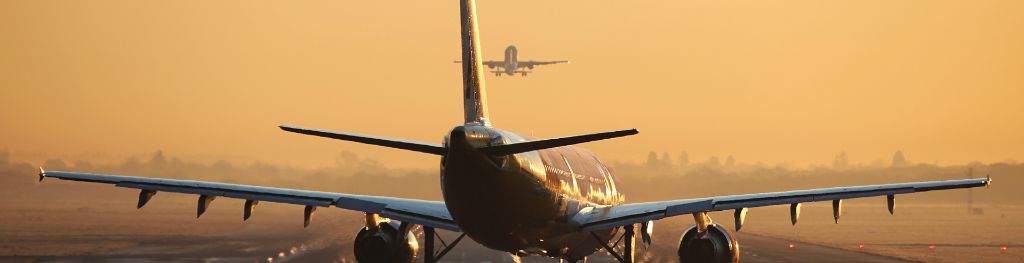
[
  {"x": 792, "y": 246},
  {"x": 932, "y": 247},
  {"x": 861, "y": 246},
  {"x": 1003, "y": 249}
]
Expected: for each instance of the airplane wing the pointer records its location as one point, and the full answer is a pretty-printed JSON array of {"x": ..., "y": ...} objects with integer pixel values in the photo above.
[
  {"x": 531, "y": 63},
  {"x": 422, "y": 212},
  {"x": 493, "y": 64},
  {"x": 607, "y": 217}
]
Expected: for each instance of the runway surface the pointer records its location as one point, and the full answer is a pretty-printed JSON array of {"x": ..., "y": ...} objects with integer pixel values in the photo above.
[
  {"x": 764, "y": 249},
  {"x": 755, "y": 249}
]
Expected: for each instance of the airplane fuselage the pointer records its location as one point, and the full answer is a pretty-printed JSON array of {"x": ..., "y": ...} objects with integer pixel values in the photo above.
[
  {"x": 511, "y": 59},
  {"x": 521, "y": 203}
]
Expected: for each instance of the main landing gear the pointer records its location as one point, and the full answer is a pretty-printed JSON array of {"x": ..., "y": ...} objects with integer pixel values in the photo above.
[
  {"x": 387, "y": 241},
  {"x": 429, "y": 255},
  {"x": 628, "y": 252}
]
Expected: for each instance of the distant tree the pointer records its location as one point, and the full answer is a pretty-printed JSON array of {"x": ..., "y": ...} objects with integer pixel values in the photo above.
[
  {"x": 55, "y": 164},
  {"x": 729, "y": 161},
  {"x": 83, "y": 165},
  {"x": 841, "y": 161},
  {"x": 714, "y": 161},
  {"x": 898, "y": 159},
  {"x": 346, "y": 159},
  {"x": 684, "y": 159},
  {"x": 665, "y": 161},
  {"x": 158, "y": 158},
  {"x": 652, "y": 160}
]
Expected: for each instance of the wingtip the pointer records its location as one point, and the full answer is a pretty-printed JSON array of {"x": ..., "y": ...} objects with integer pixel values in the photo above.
[
  {"x": 988, "y": 180},
  {"x": 42, "y": 173}
]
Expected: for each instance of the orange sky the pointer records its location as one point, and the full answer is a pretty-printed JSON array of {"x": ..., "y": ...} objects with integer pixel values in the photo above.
[{"x": 765, "y": 81}]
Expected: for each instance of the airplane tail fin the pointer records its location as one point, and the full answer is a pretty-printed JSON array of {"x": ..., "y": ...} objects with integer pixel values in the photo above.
[{"x": 474, "y": 93}]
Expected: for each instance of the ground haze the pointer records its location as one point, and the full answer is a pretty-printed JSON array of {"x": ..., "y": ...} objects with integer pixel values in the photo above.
[{"x": 60, "y": 220}]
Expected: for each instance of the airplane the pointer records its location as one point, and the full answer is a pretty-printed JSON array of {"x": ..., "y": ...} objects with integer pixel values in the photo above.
[
  {"x": 527, "y": 197},
  {"x": 512, "y": 65}
]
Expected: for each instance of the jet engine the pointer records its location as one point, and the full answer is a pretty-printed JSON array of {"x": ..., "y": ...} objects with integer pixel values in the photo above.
[
  {"x": 386, "y": 244},
  {"x": 715, "y": 245}
]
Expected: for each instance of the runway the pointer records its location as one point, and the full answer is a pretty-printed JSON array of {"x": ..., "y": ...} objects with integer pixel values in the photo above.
[
  {"x": 755, "y": 249},
  {"x": 759, "y": 249}
]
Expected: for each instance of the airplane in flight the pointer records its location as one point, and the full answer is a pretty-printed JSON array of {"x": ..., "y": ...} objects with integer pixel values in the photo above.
[
  {"x": 512, "y": 65},
  {"x": 527, "y": 197}
]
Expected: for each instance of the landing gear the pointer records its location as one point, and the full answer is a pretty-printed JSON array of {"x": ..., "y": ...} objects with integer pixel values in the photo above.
[
  {"x": 429, "y": 255},
  {"x": 628, "y": 253}
]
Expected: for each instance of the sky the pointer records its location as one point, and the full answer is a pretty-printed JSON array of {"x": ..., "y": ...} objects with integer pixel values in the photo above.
[{"x": 792, "y": 82}]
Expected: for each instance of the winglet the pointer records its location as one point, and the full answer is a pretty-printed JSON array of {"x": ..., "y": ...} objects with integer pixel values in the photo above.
[
  {"x": 42, "y": 173},
  {"x": 988, "y": 180}
]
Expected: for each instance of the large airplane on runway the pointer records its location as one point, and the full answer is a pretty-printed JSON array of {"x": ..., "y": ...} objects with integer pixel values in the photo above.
[
  {"x": 525, "y": 196},
  {"x": 512, "y": 65}
]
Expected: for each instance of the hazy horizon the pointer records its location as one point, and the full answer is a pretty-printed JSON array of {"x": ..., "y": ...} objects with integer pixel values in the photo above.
[
  {"x": 762, "y": 81},
  {"x": 101, "y": 158}
]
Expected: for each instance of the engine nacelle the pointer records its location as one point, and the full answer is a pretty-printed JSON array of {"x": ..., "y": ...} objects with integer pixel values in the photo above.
[
  {"x": 715, "y": 245},
  {"x": 386, "y": 244}
]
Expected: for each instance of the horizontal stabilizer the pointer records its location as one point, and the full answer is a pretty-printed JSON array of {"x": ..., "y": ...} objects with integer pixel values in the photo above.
[
  {"x": 514, "y": 148},
  {"x": 379, "y": 141}
]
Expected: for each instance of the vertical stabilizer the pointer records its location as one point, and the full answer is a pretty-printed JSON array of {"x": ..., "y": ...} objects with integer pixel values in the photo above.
[{"x": 474, "y": 94}]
